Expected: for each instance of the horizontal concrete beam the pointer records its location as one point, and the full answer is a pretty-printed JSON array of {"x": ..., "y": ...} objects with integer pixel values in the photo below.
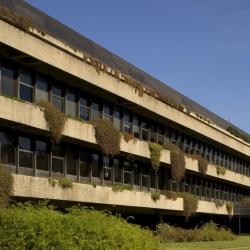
[
  {"x": 37, "y": 187},
  {"x": 59, "y": 55}
]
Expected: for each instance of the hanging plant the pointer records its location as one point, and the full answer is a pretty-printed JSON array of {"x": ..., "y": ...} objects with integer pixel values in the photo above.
[
  {"x": 55, "y": 120},
  {"x": 107, "y": 137},
  {"x": 190, "y": 204},
  {"x": 155, "y": 154},
  {"x": 177, "y": 162},
  {"x": 202, "y": 164}
]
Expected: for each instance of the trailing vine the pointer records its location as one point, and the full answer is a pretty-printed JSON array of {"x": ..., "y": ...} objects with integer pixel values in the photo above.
[
  {"x": 155, "y": 154},
  {"x": 55, "y": 120},
  {"x": 177, "y": 162},
  {"x": 220, "y": 170},
  {"x": 202, "y": 164},
  {"x": 107, "y": 137},
  {"x": 190, "y": 204}
]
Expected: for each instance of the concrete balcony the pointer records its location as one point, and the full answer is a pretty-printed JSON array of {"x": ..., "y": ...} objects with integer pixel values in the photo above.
[
  {"x": 40, "y": 188},
  {"x": 192, "y": 164},
  {"x": 28, "y": 114}
]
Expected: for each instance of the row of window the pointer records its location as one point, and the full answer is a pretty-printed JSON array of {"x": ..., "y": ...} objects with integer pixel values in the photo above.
[
  {"x": 34, "y": 87},
  {"x": 35, "y": 156}
]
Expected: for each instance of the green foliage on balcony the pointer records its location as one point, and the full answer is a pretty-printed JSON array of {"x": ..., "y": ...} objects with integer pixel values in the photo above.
[
  {"x": 6, "y": 183},
  {"x": 155, "y": 154}
]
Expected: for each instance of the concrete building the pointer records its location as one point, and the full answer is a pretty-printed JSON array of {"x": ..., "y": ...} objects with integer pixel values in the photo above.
[{"x": 41, "y": 59}]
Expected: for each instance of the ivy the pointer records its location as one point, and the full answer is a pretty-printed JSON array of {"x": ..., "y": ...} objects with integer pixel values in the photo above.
[
  {"x": 6, "y": 183},
  {"x": 155, "y": 154}
]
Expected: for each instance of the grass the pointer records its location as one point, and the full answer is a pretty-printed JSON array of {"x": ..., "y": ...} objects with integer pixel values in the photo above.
[{"x": 241, "y": 243}]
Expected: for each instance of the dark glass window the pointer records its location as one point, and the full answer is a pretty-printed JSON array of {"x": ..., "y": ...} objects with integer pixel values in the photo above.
[
  {"x": 25, "y": 152},
  {"x": 107, "y": 112},
  {"x": 153, "y": 134},
  {"x": 57, "y": 159},
  {"x": 127, "y": 172},
  {"x": 7, "y": 80},
  {"x": 71, "y": 162},
  {"x": 136, "y": 126},
  {"x": 57, "y": 98},
  {"x": 71, "y": 103},
  {"x": 117, "y": 171},
  {"x": 117, "y": 119},
  {"x": 160, "y": 135},
  {"x": 95, "y": 165},
  {"x": 84, "y": 169},
  {"x": 7, "y": 149},
  {"x": 95, "y": 110},
  {"x": 42, "y": 89},
  {"x": 136, "y": 174},
  {"x": 127, "y": 122},
  {"x": 41, "y": 155},
  {"x": 144, "y": 131},
  {"x": 25, "y": 86},
  {"x": 107, "y": 170},
  {"x": 84, "y": 108},
  {"x": 145, "y": 178}
]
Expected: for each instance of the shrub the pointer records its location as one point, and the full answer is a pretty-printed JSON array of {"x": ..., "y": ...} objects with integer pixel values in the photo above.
[
  {"x": 155, "y": 154},
  {"x": 128, "y": 137},
  {"x": 6, "y": 182},
  {"x": 171, "y": 195},
  {"x": 208, "y": 232},
  {"x": 190, "y": 204},
  {"x": 177, "y": 162},
  {"x": 55, "y": 120},
  {"x": 220, "y": 170},
  {"x": 155, "y": 196},
  {"x": 107, "y": 137},
  {"x": 118, "y": 187},
  {"x": 202, "y": 164},
  {"x": 27, "y": 226},
  {"x": 65, "y": 183}
]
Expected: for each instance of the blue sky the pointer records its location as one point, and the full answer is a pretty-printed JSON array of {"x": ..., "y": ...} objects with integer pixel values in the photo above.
[{"x": 199, "y": 47}]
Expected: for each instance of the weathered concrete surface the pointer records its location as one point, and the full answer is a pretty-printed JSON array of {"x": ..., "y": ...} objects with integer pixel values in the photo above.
[{"x": 53, "y": 52}]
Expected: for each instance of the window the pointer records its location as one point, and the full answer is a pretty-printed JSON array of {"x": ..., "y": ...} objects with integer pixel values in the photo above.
[
  {"x": 41, "y": 89},
  {"x": 144, "y": 131},
  {"x": 57, "y": 98},
  {"x": 71, "y": 103},
  {"x": 84, "y": 170},
  {"x": 25, "y": 152},
  {"x": 7, "y": 149},
  {"x": 107, "y": 170},
  {"x": 160, "y": 136},
  {"x": 25, "y": 86},
  {"x": 84, "y": 108},
  {"x": 95, "y": 111},
  {"x": 136, "y": 126},
  {"x": 117, "y": 171},
  {"x": 57, "y": 159},
  {"x": 107, "y": 112},
  {"x": 117, "y": 119},
  {"x": 126, "y": 122},
  {"x": 71, "y": 162},
  {"x": 127, "y": 172},
  {"x": 95, "y": 165},
  {"x": 41, "y": 155},
  {"x": 7, "y": 80},
  {"x": 145, "y": 178},
  {"x": 136, "y": 174},
  {"x": 153, "y": 134}
]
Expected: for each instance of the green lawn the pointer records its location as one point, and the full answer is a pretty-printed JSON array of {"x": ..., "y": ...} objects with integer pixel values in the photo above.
[{"x": 242, "y": 242}]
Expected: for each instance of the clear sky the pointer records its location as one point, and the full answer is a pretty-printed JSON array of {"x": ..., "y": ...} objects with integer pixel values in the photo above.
[{"x": 199, "y": 47}]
